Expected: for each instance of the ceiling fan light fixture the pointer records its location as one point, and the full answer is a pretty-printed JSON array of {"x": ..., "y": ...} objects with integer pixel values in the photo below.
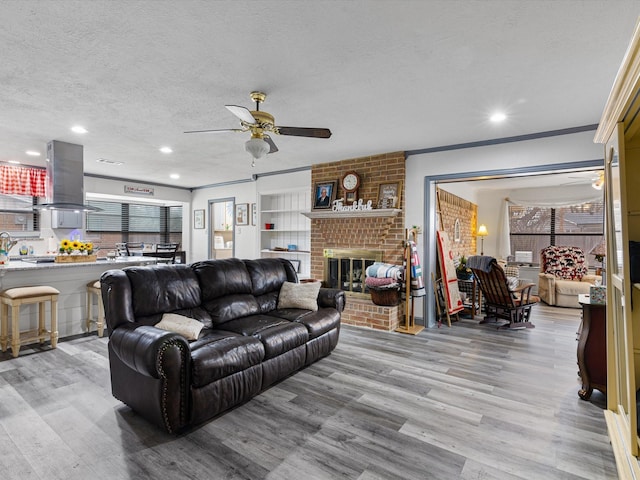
[{"x": 257, "y": 147}]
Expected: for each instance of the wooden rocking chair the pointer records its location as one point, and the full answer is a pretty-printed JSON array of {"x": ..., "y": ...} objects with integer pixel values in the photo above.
[{"x": 501, "y": 301}]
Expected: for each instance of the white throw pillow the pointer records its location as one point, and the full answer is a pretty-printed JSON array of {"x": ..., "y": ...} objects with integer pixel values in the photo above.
[
  {"x": 299, "y": 295},
  {"x": 185, "y": 326}
]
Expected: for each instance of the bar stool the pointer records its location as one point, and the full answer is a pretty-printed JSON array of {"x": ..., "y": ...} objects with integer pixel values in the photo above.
[
  {"x": 93, "y": 289},
  {"x": 14, "y": 298}
]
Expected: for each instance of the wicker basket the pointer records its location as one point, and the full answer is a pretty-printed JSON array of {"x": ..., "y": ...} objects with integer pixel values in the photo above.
[{"x": 385, "y": 297}]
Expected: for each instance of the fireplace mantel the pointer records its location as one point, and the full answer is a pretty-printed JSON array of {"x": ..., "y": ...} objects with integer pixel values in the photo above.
[{"x": 376, "y": 212}]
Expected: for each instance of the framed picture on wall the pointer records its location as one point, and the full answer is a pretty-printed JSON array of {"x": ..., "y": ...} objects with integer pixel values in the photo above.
[
  {"x": 198, "y": 219},
  {"x": 389, "y": 194},
  {"x": 253, "y": 214},
  {"x": 325, "y": 194},
  {"x": 242, "y": 214}
]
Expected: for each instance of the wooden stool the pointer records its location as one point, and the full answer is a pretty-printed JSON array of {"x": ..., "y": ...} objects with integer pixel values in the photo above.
[
  {"x": 93, "y": 288},
  {"x": 14, "y": 297}
]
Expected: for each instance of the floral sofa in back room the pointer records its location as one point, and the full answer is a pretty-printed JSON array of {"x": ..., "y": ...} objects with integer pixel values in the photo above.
[
  {"x": 564, "y": 274},
  {"x": 187, "y": 342}
]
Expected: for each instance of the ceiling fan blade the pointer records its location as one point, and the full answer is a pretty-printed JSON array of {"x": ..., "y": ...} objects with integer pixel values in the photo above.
[
  {"x": 305, "y": 132},
  {"x": 273, "y": 148},
  {"x": 223, "y": 130},
  {"x": 242, "y": 113}
]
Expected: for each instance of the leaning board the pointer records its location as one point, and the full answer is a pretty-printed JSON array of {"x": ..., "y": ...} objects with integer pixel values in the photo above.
[{"x": 448, "y": 271}]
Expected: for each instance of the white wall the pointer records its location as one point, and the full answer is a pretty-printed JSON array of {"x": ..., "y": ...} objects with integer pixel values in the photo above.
[
  {"x": 246, "y": 237},
  {"x": 578, "y": 147}
]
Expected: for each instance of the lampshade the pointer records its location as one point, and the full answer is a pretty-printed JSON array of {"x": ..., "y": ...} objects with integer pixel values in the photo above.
[
  {"x": 482, "y": 231},
  {"x": 257, "y": 147}
]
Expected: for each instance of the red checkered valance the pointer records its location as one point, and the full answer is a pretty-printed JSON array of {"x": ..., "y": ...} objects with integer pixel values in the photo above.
[{"x": 22, "y": 181}]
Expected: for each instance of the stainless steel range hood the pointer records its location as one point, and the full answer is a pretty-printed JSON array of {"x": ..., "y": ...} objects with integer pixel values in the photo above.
[{"x": 65, "y": 178}]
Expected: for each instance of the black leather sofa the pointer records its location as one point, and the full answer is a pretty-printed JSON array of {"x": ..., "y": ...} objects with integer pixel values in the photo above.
[{"x": 246, "y": 343}]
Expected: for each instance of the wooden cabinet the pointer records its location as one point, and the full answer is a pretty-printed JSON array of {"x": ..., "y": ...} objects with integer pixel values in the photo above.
[
  {"x": 284, "y": 231},
  {"x": 619, "y": 131},
  {"x": 592, "y": 348}
]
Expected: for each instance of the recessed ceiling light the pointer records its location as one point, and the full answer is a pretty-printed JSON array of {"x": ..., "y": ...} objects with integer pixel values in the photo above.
[
  {"x": 166, "y": 150},
  {"x": 498, "y": 117},
  {"x": 78, "y": 129},
  {"x": 175, "y": 176},
  {"x": 15, "y": 162},
  {"x": 32, "y": 153}
]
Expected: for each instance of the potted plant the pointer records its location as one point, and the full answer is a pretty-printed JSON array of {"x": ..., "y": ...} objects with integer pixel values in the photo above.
[{"x": 462, "y": 271}]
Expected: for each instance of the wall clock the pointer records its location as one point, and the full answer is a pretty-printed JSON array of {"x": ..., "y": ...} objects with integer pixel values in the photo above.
[{"x": 350, "y": 183}]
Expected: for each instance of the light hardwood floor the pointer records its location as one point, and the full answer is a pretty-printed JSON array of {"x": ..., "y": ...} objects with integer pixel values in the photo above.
[{"x": 466, "y": 402}]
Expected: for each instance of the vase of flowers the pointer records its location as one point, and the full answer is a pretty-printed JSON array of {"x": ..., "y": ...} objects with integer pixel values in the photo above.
[{"x": 75, "y": 251}]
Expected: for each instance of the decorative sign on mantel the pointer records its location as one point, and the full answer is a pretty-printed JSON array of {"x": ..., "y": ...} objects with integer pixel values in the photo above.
[{"x": 358, "y": 206}]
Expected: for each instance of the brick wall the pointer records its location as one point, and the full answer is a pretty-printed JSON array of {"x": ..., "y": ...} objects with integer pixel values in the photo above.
[
  {"x": 454, "y": 208},
  {"x": 375, "y": 233}
]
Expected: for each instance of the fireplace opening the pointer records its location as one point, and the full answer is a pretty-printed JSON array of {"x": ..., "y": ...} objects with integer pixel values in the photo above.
[{"x": 344, "y": 268}]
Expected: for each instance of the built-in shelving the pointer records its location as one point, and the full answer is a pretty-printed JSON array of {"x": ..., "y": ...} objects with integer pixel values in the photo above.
[{"x": 284, "y": 210}]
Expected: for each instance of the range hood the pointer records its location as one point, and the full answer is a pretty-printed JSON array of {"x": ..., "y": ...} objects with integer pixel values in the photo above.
[{"x": 65, "y": 178}]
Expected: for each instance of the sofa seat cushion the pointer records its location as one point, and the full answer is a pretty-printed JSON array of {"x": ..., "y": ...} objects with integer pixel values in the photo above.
[
  {"x": 570, "y": 287},
  {"x": 317, "y": 323},
  {"x": 276, "y": 334},
  {"x": 216, "y": 355}
]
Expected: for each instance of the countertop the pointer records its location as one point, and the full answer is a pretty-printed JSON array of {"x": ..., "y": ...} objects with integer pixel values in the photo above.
[{"x": 17, "y": 265}]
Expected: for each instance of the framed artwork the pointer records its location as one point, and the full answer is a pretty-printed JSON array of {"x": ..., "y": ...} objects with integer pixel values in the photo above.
[
  {"x": 198, "y": 219},
  {"x": 242, "y": 214},
  {"x": 253, "y": 214},
  {"x": 325, "y": 194},
  {"x": 389, "y": 194}
]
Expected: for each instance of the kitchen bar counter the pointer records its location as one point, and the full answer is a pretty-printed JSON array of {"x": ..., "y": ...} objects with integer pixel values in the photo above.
[
  {"x": 28, "y": 264},
  {"x": 70, "y": 278}
]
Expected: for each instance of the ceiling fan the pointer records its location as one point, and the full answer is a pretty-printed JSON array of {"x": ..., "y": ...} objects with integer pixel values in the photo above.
[{"x": 259, "y": 123}]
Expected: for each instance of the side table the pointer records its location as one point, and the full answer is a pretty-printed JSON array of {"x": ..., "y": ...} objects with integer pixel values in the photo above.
[{"x": 592, "y": 348}]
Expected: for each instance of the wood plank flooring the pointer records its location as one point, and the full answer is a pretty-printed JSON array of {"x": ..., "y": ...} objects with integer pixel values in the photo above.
[{"x": 466, "y": 402}]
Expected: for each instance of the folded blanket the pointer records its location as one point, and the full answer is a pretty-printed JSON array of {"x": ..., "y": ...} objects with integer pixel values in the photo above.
[
  {"x": 480, "y": 262},
  {"x": 384, "y": 270},
  {"x": 379, "y": 282}
]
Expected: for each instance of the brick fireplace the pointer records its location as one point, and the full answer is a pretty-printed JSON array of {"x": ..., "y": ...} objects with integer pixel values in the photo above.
[{"x": 354, "y": 231}]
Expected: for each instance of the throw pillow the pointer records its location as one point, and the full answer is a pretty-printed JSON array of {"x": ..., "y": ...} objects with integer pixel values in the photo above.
[
  {"x": 299, "y": 295},
  {"x": 185, "y": 326}
]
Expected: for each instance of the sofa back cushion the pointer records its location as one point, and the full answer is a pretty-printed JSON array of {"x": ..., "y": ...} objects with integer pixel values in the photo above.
[
  {"x": 157, "y": 289},
  {"x": 267, "y": 277},
  {"x": 226, "y": 289},
  {"x": 564, "y": 262}
]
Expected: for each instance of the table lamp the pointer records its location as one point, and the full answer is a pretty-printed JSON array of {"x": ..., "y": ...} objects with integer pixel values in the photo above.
[{"x": 482, "y": 232}]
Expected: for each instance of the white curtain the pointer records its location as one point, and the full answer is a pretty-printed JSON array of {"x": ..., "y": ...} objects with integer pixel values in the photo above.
[{"x": 504, "y": 240}]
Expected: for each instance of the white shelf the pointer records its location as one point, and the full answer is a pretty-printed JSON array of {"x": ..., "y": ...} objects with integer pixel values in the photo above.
[
  {"x": 376, "y": 212},
  {"x": 284, "y": 209}
]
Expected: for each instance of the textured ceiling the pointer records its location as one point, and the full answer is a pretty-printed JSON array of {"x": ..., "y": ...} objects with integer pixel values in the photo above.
[{"x": 382, "y": 75}]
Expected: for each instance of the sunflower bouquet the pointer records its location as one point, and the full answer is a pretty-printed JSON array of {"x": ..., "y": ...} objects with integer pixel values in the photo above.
[{"x": 75, "y": 247}]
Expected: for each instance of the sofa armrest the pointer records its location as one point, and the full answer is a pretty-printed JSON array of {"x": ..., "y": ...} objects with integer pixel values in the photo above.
[
  {"x": 547, "y": 288},
  {"x": 332, "y": 298},
  {"x": 143, "y": 348}
]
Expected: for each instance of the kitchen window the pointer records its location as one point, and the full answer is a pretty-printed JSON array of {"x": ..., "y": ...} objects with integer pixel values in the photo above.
[
  {"x": 17, "y": 215},
  {"x": 130, "y": 222}
]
